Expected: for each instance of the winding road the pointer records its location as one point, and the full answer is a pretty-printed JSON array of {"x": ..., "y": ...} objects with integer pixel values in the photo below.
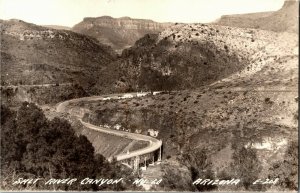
[
  {"x": 36, "y": 85},
  {"x": 154, "y": 144}
]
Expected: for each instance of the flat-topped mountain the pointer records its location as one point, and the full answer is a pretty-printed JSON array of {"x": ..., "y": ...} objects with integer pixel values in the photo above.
[
  {"x": 285, "y": 19},
  {"x": 119, "y": 33}
]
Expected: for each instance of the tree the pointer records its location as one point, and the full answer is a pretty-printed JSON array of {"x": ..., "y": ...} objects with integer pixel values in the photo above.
[
  {"x": 287, "y": 169},
  {"x": 6, "y": 114},
  {"x": 9, "y": 148},
  {"x": 200, "y": 167},
  {"x": 169, "y": 83},
  {"x": 246, "y": 166},
  {"x": 32, "y": 146},
  {"x": 30, "y": 120},
  {"x": 150, "y": 79}
]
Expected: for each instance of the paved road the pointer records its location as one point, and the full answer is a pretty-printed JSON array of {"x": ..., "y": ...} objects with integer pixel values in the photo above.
[
  {"x": 154, "y": 144},
  {"x": 35, "y": 85}
]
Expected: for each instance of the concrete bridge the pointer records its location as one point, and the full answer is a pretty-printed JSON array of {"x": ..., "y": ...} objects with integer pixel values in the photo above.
[
  {"x": 143, "y": 161},
  {"x": 138, "y": 159}
]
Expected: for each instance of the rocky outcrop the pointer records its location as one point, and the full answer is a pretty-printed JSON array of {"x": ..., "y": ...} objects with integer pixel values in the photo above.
[{"x": 119, "y": 33}]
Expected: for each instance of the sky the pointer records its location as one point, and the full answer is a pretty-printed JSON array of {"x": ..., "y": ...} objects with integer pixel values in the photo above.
[{"x": 70, "y": 12}]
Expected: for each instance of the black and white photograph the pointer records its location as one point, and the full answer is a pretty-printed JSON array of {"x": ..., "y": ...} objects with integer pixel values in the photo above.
[{"x": 149, "y": 95}]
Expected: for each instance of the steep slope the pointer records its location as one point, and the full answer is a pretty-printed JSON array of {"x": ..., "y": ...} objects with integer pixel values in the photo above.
[
  {"x": 285, "y": 19},
  {"x": 193, "y": 55},
  {"x": 219, "y": 121},
  {"x": 251, "y": 105},
  {"x": 35, "y": 55},
  {"x": 119, "y": 33}
]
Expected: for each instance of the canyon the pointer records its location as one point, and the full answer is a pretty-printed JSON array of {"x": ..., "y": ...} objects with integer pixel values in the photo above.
[{"x": 119, "y": 33}]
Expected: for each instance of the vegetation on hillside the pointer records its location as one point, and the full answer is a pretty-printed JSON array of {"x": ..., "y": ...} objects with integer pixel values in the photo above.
[
  {"x": 238, "y": 117},
  {"x": 287, "y": 170},
  {"x": 13, "y": 96},
  {"x": 34, "y": 147},
  {"x": 188, "y": 56},
  {"x": 226, "y": 122},
  {"x": 36, "y": 55}
]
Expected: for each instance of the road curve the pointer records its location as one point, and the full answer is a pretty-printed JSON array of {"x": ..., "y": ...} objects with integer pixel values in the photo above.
[{"x": 154, "y": 144}]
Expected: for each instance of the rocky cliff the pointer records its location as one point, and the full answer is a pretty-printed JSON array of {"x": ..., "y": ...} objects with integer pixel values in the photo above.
[{"x": 119, "y": 33}]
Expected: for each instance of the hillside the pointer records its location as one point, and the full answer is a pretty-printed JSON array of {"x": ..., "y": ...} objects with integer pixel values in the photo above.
[
  {"x": 35, "y": 55},
  {"x": 119, "y": 33},
  {"x": 218, "y": 121},
  {"x": 231, "y": 106},
  {"x": 193, "y": 55},
  {"x": 239, "y": 101},
  {"x": 285, "y": 19}
]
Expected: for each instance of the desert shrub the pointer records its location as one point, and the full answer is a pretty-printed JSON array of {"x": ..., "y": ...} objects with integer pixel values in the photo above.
[
  {"x": 200, "y": 167},
  {"x": 268, "y": 101},
  {"x": 226, "y": 47},
  {"x": 246, "y": 166},
  {"x": 296, "y": 116},
  {"x": 174, "y": 180},
  {"x": 287, "y": 169}
]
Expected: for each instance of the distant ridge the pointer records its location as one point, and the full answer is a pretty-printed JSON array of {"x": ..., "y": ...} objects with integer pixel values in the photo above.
[
  {"x": 119, "y": 33},
  {"x": 285, "y": 19},
  {"x": 59, "y": 27}
]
